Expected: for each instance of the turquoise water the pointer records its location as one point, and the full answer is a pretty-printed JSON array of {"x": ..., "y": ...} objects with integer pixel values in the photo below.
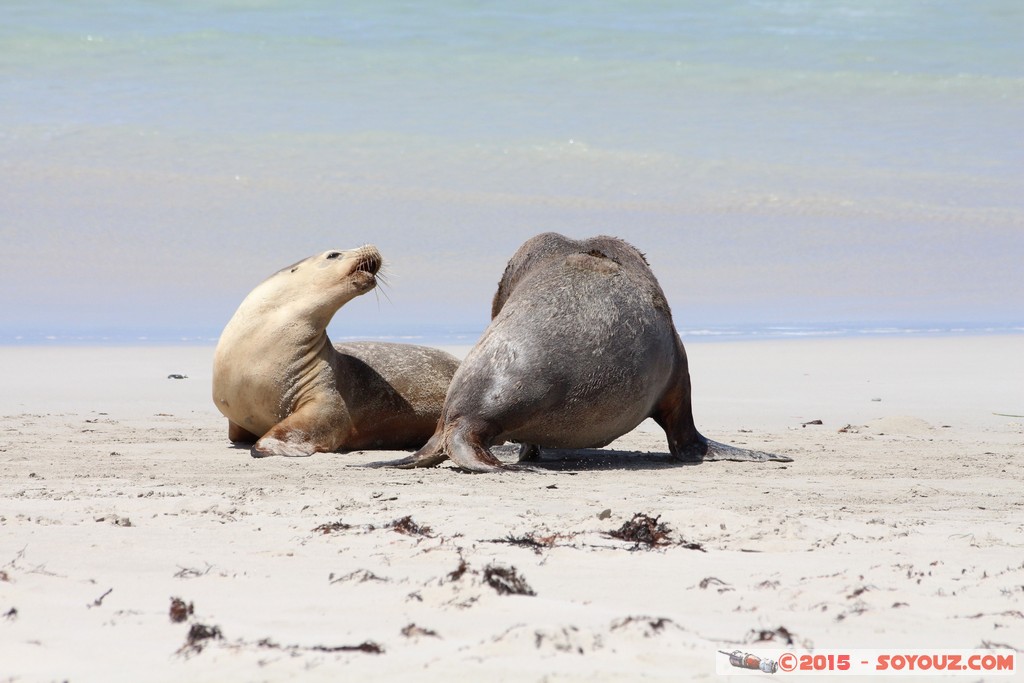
[{"x": 782, "y": 163}]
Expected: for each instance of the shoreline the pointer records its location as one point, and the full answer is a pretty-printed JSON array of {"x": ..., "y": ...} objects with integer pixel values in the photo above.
[{"x": 694, "y": 335}]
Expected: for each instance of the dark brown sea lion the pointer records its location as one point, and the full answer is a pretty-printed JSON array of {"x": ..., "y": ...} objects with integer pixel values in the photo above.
[
  {"x": 284, "y": 387},
  {"x": 581, "y": 348}
]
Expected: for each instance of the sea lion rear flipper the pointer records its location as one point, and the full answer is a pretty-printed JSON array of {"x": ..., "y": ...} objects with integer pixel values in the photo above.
[
  {"x": 409, "y": 462},
  {"x": 674, "y": 413},
  {"x": 463, "y": 445},
  {"x": 721, "y": 451},
  {"x": 529, "y": 452},
  {"x": 430, "y": 455},
  {"x": 465, "y": 450},
  {"x": 468, "y": 452}
]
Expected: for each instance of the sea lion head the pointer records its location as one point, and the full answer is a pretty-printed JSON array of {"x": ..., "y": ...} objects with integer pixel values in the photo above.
[
  {"x": 602, "y": 254},
  {"x": 321, "y": 284}
]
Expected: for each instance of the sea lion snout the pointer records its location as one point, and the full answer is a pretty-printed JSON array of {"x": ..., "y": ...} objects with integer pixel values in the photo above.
[
  {"x": 355, "y": 268},
  {"x": 370, "y": 262},
  {"x": 367, "y": 259},
  {"x": 367, "y": 262}
]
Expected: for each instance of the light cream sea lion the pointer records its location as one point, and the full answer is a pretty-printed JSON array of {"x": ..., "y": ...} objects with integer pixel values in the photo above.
[
  {"x": 581, "y": 348},
  {"x": 284, "y": 387}
]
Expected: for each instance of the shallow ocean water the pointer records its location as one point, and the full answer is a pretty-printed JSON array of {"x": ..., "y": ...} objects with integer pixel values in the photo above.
[{"x": 780, "y": 162}]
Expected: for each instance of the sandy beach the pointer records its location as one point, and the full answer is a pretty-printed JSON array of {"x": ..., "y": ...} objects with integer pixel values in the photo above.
[{"x": 899, "y": 524}]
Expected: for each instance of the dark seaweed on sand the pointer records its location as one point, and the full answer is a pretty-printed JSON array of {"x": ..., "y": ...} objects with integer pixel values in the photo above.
[
  {"x": 406, "y": 526},
  {"x": 459, "y": 571},
  {"x": 643, "y": 530},
  {"x": 506, "y": 580},
  {"x": 529, "y": 540},
  {"x": 368, "y": 647},
  {"x": 780, "y": 634},
  {"x": 180, "y": 611},
  {"x": 197, "y": 636},
  {"x": 414, "y": 631}
]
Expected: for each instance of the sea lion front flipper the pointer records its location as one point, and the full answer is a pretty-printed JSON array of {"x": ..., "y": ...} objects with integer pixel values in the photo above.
[
  {"x": 721, "y": 451},
  {"x": 237, "y": 434},
  {"x": 299, "y": 435}
]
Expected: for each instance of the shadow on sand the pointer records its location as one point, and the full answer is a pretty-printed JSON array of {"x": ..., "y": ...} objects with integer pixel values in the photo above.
[{"x": 591, "y": 459}]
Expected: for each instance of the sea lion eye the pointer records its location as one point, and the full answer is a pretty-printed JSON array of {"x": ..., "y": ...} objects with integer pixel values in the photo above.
[{"x": 334, "y": 254}]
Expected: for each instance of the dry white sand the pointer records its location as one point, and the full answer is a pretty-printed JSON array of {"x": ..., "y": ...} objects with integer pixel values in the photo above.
[{"x": 120, "y": 491}]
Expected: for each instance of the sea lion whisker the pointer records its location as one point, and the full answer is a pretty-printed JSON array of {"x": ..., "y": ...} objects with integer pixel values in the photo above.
[
  {"x": 382, "y": 287},
  {"x": 376, "y": 295}
]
